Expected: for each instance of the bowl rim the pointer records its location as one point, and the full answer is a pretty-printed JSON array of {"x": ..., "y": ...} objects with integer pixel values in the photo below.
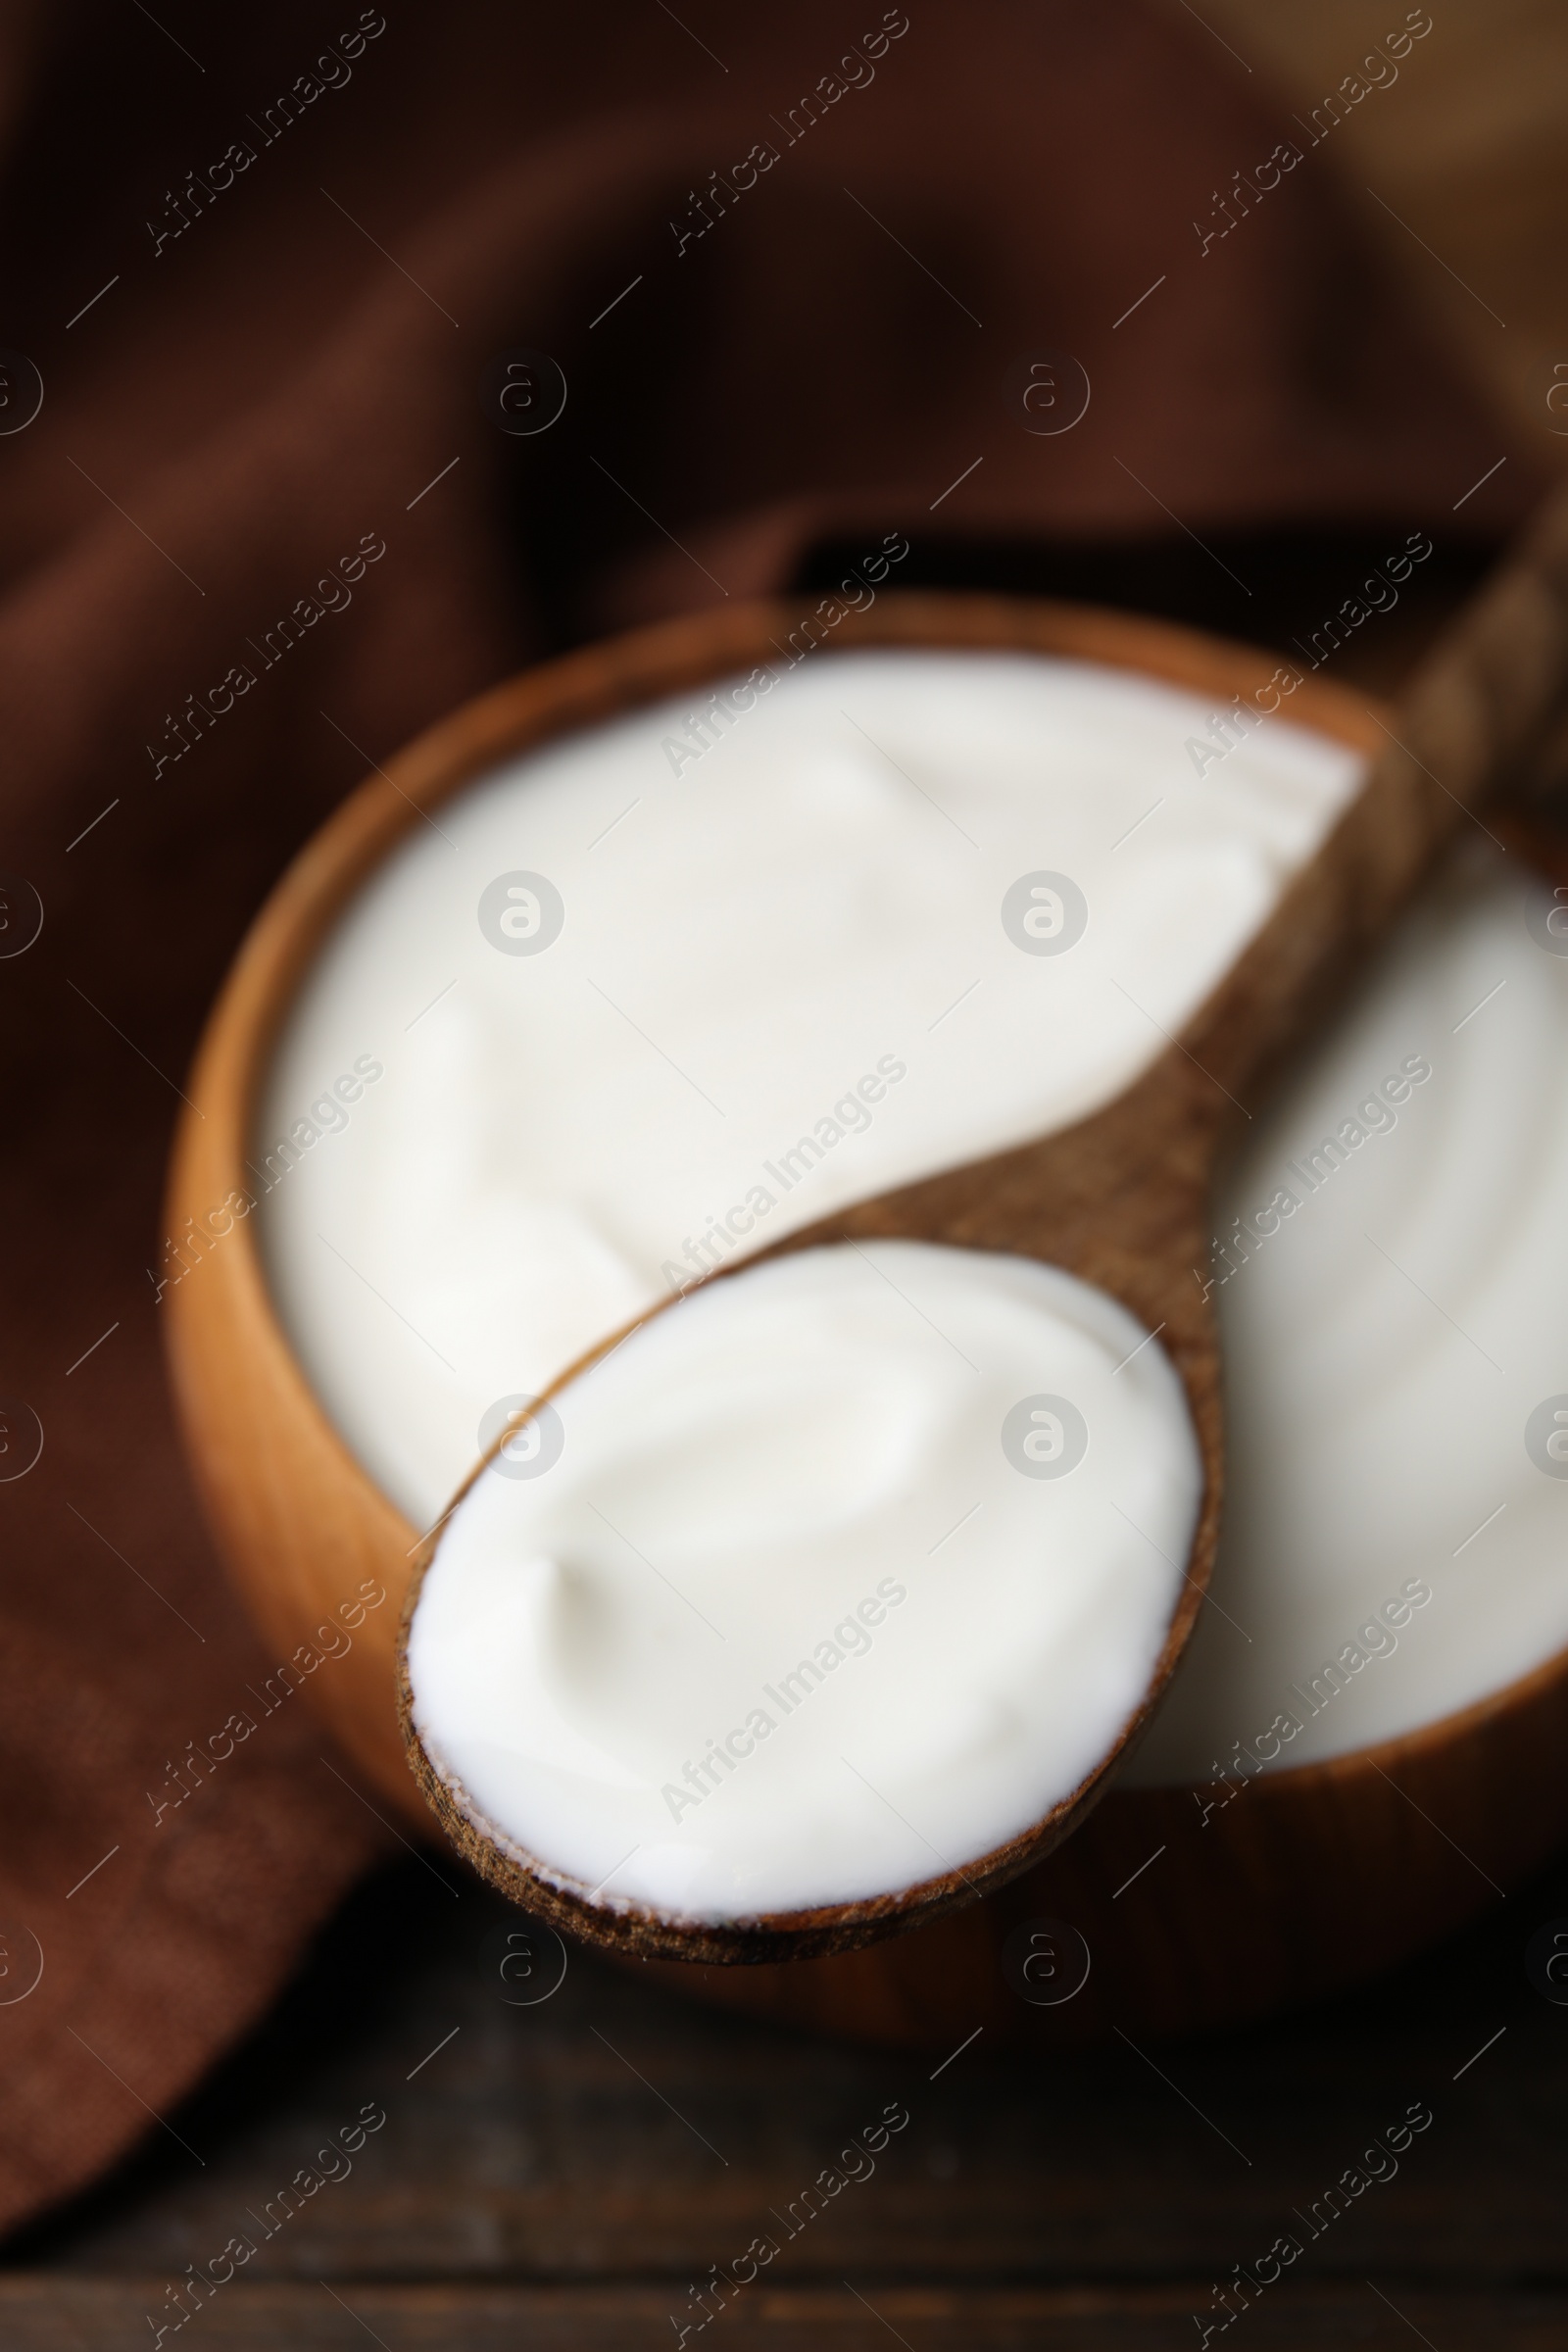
[{"x": 580, "y": 690}]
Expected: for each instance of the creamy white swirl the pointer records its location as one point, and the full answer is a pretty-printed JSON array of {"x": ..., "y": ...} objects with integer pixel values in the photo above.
[{"x": 830, "y": 1579}]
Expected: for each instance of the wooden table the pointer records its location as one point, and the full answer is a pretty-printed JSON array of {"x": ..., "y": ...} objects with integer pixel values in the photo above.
[{"x": 564, "y": 2173}]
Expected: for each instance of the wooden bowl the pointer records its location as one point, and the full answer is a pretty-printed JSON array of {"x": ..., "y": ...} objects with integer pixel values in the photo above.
[{"x": 1302, "y": 1881}]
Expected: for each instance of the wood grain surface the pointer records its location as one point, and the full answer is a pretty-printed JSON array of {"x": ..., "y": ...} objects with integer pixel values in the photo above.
[{"x": 565, "y": 2174}]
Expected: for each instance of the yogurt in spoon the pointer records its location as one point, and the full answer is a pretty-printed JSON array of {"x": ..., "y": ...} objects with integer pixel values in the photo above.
[{"x": 834, "y": 1578}]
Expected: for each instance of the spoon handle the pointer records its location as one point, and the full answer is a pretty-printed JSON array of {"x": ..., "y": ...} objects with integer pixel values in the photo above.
[{"x": 1485, "y": 710}]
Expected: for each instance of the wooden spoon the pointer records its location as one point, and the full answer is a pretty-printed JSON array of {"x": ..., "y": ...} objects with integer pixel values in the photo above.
[{"x": 1121, "y": 1199}]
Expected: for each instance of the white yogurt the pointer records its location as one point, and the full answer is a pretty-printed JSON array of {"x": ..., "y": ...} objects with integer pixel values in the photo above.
[
  {"x": 831, "y": 1579},
  {"x": 1392, "y": 1548},
  {"x": 782, "y": 980}
]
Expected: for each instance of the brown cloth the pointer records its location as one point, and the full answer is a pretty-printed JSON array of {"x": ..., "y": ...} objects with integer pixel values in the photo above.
[{"x": 790, "y": 270}]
